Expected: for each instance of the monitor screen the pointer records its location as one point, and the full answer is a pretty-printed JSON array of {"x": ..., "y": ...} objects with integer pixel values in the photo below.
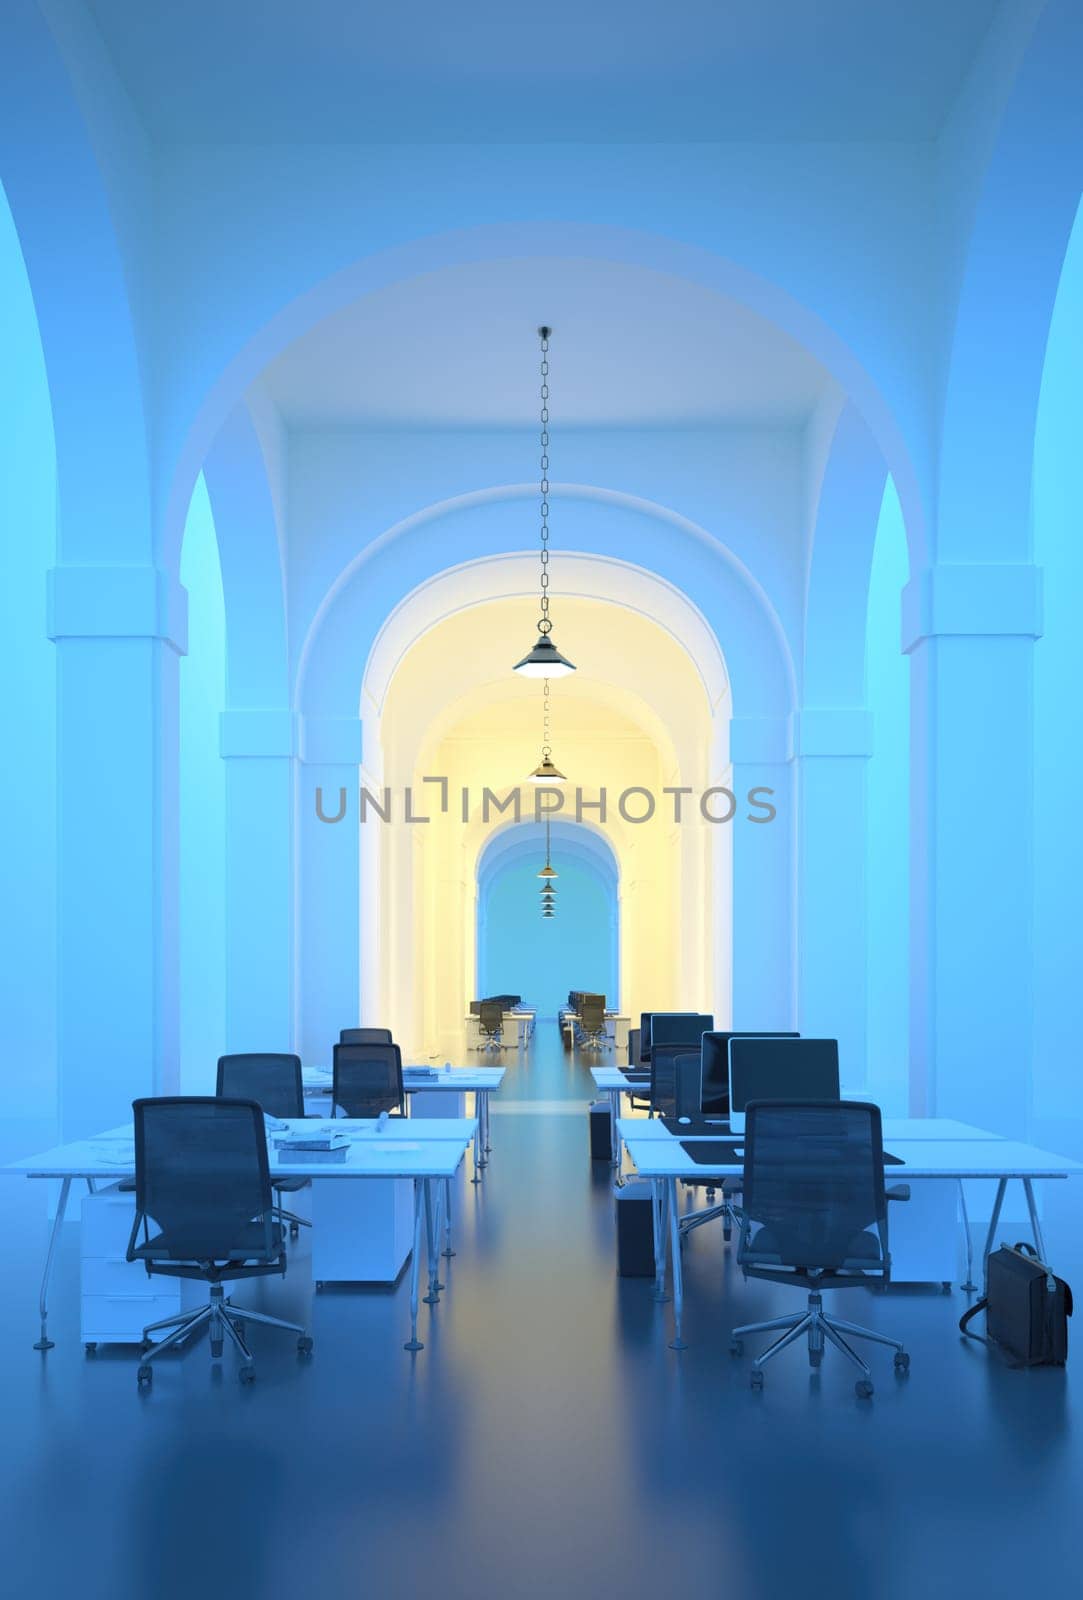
[
  {"x": 716, "y": 1066},
  {"x": 781, "y": 1069},
  {"x": 679, "y": 1027}
]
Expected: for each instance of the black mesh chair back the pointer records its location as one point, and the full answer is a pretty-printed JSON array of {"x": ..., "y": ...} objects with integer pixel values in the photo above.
[
  {"x": 365, "y": 1036},
  {"x": 202, "y": 1179},
  {"x": 475, "y": 1008},
  {"x": 592, "y": 1013},
  {"x": 272, "y": 1081},
  {"x": 367, "y": 1079},
  {"x": 634, "y": 1037},
  {"x": 687, "y": 1087},
  {"x": 675, "y": 1081},
  {"x": 491, "y": 1018},
  {"x": 813, "y": 1184}
]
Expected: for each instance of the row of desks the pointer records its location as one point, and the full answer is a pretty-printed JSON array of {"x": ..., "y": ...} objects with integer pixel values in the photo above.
[
  {"x": 425, "y": 1150},
  {"x": 936, "y": 1153}
]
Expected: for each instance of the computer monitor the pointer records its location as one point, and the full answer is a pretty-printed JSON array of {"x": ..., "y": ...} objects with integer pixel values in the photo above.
[
  {"x": 679, "y": 1027},
  {"x": 716, "y": 1067},
  {"x": 646, "y": 1019},
  {"x": 781, "y": 1069}
]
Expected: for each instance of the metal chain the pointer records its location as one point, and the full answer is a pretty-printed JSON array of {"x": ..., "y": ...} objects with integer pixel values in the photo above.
[
  {"x": 547, "y": 748},
  {"x": 544, "y": 625}
]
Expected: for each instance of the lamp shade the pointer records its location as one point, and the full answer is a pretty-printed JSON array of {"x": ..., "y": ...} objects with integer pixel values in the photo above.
[
  {"x": 544, "y": 661},
  {"x": 545, "y": 772},
  {"x": 548, "y": 872}
]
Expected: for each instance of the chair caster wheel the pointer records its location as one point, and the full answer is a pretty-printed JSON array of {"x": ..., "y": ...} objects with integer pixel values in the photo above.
[
  {"x": 902, "y": 1364},
  {"x": 304, "y": 1345},
  {"x": 756, "y": 1380},
  {"x": 247, "y": 1374},
  {"x": 863, "y": 1389},
  {"x": 216, "y": 1349},
  {"x": 90, "y": 1347},
  {"x": 145, "y": 1376},
  {"x": 737, "y": 1347}
]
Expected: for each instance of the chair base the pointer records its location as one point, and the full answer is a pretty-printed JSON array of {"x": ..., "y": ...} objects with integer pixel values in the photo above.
[
  {"x": 222, "y": 1320},
  {"x": 820, "y": 1329},
  {"x": 729, "y": 1213}
]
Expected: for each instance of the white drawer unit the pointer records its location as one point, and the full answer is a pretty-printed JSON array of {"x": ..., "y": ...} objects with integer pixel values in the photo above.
[
  {"x": 118, "y": 1298},
  {"x": 361, "y": 1232}
]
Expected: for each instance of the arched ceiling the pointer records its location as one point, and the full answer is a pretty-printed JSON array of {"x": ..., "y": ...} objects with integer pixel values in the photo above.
[
  {"x": 617, "y": 70},
  {"x": 630, "y": 347},
  {"x": 634, "y": 684}
]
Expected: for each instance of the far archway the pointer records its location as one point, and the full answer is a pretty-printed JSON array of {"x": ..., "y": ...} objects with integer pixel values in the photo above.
[{"x": 519, "y": 951}]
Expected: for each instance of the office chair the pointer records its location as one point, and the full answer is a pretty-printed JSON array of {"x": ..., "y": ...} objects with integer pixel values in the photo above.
[
  {"x": 491, "y": 1023},
  {"x": 813, "y": 1190},
  {"x": 365, "y": 1036},
  {"x": 677, "y": 1091},
  {"x": 274, "y": 1083},
  {"x": 202, "y": 1179},
  {"x": 592, "y": 1029},
  {"x": 367, "y": 1079}
]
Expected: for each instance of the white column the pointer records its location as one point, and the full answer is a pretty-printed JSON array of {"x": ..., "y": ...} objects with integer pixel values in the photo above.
[
  {"x": 119, "y": 633},
  {"x": 833, "y": 746},
  {"x": 259, "y": 749},
  {"x": 329, "y": 922},
  {"x": 763, "y": 875},
  {"x": 970, "y": 631}
]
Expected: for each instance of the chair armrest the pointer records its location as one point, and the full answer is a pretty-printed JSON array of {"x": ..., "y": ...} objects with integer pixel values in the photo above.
[{"x": 898, "y": 1191}]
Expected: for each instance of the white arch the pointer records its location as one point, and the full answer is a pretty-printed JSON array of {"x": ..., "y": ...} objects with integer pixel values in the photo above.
[
  {"x": 487, "y": 242},
  {"x": 392, "y": 571}
]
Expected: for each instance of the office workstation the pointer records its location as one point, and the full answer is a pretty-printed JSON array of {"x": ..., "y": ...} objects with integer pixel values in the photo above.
[{"x": 539, "y": 615}]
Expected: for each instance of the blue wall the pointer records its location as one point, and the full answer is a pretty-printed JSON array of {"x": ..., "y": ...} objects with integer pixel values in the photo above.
[
  {"x": 1057, "y": 1086},
  {"x": 887, "y": 688},
  {"x": 520, "y": 952},
  {"x": 202, "y": 806},
  {"x": 28, "y": 676}
]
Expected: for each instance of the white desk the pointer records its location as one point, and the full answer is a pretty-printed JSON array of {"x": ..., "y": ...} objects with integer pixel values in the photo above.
[
  {"x": 664, "y": 1164},
  {"x": 897, "y": 1130},
  {"x": 428, "y": 1153},
  {"x": 481, "y": 1082}
]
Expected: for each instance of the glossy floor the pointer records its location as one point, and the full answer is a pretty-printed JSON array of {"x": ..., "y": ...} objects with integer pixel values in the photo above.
[{"x": 545, "y": 1443}]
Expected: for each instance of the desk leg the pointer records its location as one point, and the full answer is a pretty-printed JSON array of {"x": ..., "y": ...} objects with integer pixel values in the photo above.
[
  {"x": 432, "y": 1228},
  {"x": 476, "y": 1142},
  {"x": 969, "y": 1286},
  {"x": 614, "y": 1113},
  {"x": 1002, "y": 1184},
  {"x": 448, "y": 1251},
  {"x": 45, "y": 1343},
  {"x": 1035, "y": 1225},
  {"x": 676, "y": 1343},
  {"x": 485, "y": 1115},
  {"x": 658, "y": 1217},
  {"x": 414, "y": 1343}
]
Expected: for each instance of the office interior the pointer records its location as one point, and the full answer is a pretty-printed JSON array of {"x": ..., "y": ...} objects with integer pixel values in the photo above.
[{"x": 275, "y": 522}]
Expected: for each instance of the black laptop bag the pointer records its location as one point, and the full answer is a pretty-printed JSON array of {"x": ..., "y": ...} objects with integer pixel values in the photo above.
[{"x": 1026, "y": 1309}]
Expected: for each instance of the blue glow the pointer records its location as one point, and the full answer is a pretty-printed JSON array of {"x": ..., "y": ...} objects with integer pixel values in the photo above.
[
  {"x": 887, "y": 798},
  {"x": 28, "y": 673},
  {"x": 520, "y": 952},
  {"x": 202, "y": 804}
]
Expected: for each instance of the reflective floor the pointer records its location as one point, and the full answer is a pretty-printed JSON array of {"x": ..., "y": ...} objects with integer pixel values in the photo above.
[{"x": 546, "y": 1441}]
